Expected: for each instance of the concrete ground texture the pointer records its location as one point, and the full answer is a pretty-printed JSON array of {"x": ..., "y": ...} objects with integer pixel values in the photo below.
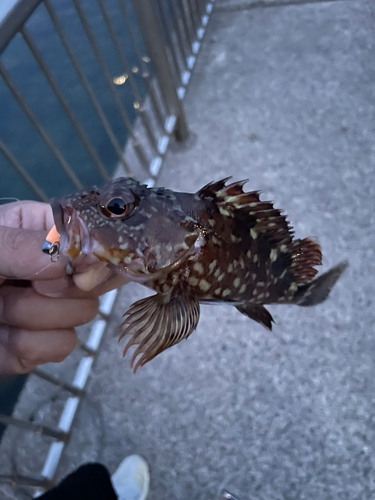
[{"x": 283, "y": 94}]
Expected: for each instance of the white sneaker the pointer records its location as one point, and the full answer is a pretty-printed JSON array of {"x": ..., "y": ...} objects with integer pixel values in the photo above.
[{"x": 131, "y": 479}]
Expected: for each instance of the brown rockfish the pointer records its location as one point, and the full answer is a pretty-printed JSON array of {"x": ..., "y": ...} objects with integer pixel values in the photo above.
[{"x": 217, "y": 245}]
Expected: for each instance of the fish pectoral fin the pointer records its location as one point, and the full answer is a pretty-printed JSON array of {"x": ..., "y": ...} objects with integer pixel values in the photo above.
[
  {"x": 158, "y": 322},
  {"x": 257, "y": 313}
]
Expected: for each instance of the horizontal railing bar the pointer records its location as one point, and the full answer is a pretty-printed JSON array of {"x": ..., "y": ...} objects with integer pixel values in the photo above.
[
  {"x": 126, "y": 68},
  {"x": 46, "y": 138},
  {"x": 86, "y": 85},
  {"x": 20, "y": 480},
  {"x": 137, "y": 147},
  {"x": 14, "y": 19},
  {"x": 57, "y": 382},
  {"x": 145, "y": 71},
  {"x": 63, "y": 103},
  {"x": 42, "y": 430},
  {"x": 23, "y": 173}
]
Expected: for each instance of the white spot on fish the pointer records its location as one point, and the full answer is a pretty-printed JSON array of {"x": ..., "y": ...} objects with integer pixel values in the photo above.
[
  {"x": 204, "y": 285},
  {"x": 230, "y": 268},
  {"x": 242, "y": 289},
  {"x": 253, "y": 234},
  {"x": 226, "y": 292},
  {"x": 217, "y": 272},
  {"x": 273, "y": 255},
  {"x": 198, "y": 267},
  {"x": 283, "y": 248},
  {"x": 293, "y": 287},
  {"x": 255, "y": 258},
  {"x": 221, "y": 277},
  {"x": 211, "y": 222},
  {"x": 193, "y": 281},
  {"x": 248, "y": 254},
  {"x": 237, "y": 282},
  {"x": 218, "y": 291},
  {"x": 212, "y": 266},
  {"x": 223, "y": 211}
]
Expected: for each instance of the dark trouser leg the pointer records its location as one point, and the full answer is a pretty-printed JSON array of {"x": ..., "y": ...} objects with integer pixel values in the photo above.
[{"x": 89, "y": 482}]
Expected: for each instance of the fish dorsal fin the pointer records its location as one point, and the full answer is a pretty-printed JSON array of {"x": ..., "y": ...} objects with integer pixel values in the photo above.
[
  {"x": 158, "y": 322},
  {"x": 263, "y": 220},
  {"x": 211, "y": 189},
  {"x": 261, "y": 216}
]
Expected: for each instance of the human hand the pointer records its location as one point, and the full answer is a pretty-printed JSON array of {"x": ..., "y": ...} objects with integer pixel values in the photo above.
[{"x": 37, "y": 321}]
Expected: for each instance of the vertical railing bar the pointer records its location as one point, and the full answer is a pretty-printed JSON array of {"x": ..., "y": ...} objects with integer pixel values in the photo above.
[
  {"x": 193, "y": 20},
  {"x": 23, "y": 173},
  {"x": 67, "y": 169},
  {"x": 86, "y": 85},
  {"x": 176, "y": 66},
  {"x": 176, "y": 24},
  {"x": 127, "y": 69},
  {"x": 195, "y": 11},
  {"x": 145, "y": 71},
  {"x": 63, "y": 103},
  {"x": 199, "y": 10},
  {"x": 137, "y": 148},
  {"x": 155, "y": 46},
  {"x": 185, "y": 24}
]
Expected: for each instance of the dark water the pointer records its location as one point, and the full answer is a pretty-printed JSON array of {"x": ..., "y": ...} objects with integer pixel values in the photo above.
[{"x": 15, "y": 129}]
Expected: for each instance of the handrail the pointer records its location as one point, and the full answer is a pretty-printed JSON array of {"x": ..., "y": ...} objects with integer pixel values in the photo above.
[{"x": 13, "y": 15}]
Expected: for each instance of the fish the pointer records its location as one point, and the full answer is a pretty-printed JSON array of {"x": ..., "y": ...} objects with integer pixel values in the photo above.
[{"x": 218, "y": 245}]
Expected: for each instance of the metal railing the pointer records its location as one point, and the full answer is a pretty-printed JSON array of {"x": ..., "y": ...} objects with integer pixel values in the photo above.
[{"x": 144, "y": 88}]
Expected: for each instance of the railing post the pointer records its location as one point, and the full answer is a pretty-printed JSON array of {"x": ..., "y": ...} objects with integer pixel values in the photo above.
[{"x": 155, "y": 46}]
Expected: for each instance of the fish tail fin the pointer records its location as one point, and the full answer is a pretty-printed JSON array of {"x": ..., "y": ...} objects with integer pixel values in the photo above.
[{"x": 315, "y": 292}]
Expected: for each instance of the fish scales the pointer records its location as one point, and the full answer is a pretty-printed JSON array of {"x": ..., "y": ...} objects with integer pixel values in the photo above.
[{"x": 220, "y": 244}]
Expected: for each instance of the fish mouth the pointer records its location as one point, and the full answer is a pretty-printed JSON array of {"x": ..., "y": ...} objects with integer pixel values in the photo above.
[{"x": 74, "y": 236}]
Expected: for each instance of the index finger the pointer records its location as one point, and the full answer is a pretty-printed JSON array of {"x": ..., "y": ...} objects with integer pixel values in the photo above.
[
  {"x": 27, "y": 215},
  {"x": 21, "y": 256}
]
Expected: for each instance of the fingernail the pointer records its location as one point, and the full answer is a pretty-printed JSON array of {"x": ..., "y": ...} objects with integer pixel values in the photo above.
[{"x": 52, "y": 288}]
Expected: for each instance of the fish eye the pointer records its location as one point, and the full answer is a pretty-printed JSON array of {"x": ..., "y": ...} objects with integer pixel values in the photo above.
[{"x": 116, "y": 207}]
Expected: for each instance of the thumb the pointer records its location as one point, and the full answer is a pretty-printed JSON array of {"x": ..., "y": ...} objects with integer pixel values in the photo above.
[{"x": 21, "y": 256}]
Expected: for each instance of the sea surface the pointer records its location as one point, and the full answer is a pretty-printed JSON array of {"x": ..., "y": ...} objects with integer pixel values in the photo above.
[{"x": 16, "y": 130}]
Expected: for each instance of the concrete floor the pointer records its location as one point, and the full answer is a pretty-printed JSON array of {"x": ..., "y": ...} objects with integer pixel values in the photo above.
[{"x": 283, "y": 95}]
